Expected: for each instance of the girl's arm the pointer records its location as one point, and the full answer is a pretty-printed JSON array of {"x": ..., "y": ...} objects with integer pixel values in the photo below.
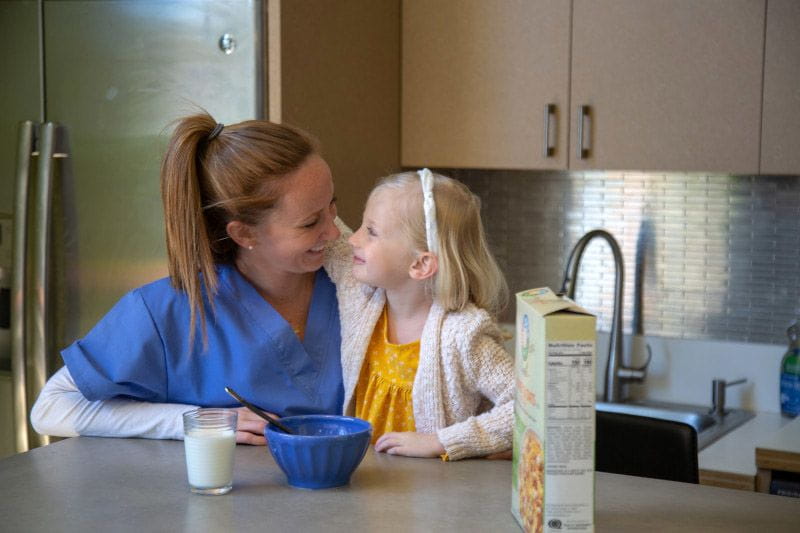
[
  {"x": 490, "y": 371},
  {"x": 339, "y": 254}
]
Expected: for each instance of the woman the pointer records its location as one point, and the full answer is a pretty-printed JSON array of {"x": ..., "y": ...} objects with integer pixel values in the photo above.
[{"x": 249, "y": 209}]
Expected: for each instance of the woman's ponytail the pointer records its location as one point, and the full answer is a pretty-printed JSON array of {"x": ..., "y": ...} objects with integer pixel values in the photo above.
[{"x": 188, "y": 244}]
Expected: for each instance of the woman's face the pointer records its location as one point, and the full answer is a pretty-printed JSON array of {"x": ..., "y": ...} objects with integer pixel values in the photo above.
[{"x": 291, "y": 237}]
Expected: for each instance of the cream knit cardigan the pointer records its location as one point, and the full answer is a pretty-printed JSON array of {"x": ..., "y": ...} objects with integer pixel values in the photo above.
[{"x": 462, "y": 364}]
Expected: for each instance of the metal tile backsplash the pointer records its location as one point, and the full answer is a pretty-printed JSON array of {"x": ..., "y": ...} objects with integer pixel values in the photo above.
[{"x": 717, "y": 256}]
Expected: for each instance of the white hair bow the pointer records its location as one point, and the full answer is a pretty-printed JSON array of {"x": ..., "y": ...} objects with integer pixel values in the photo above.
[{"x": 429, "y": 207}]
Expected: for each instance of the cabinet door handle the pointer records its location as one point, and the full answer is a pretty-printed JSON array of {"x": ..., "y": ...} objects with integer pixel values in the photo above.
[
  {"x": 584, "y": 113},
  {"x": 549, "y": 111}
]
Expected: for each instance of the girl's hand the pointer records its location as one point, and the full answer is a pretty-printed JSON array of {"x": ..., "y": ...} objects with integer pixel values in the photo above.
[
  {"x": 250, "y": 427},
  {"x": 410, "y": 443}
]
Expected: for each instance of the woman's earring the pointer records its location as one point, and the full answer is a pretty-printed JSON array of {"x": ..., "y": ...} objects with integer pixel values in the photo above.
[{"x": 250, "y": 247}]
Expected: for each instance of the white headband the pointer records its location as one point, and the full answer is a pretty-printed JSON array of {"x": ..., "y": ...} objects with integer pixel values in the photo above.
[{"x": 429, "y": 207}]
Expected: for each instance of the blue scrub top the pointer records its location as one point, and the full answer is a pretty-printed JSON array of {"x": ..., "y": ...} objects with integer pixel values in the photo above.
[{"x": 140, "y": 350}]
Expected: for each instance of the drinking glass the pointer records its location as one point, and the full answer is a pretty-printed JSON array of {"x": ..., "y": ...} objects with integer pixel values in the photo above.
[{"x": 209, "y": 437}]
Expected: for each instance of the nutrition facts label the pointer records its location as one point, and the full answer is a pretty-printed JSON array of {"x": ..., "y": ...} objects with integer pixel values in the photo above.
[{"x": 570, "y": 380}]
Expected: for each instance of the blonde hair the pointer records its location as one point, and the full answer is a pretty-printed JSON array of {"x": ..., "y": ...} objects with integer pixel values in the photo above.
[
  {"x": 467, "y": 271},
  {"x": 207, "y": 183}
]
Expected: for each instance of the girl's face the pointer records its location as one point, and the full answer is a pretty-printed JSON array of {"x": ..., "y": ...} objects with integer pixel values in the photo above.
[
  {"x": 292, "y": 235},
  {"x": 382, "y": 253}
]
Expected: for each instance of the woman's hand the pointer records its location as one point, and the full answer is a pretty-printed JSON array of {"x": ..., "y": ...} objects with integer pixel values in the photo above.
[
  {"x": 411, "y": 444},
  {"x": 250, "y": 427}
]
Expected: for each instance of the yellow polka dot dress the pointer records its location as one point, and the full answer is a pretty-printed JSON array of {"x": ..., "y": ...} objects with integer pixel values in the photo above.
[{"x": 383, "y": 391}]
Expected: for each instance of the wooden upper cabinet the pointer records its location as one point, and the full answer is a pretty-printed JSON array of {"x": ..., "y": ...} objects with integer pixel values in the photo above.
[
  {"x": 479, "y": 81},
  {"x": 669, "y": 84},
  {"x": 672, "y": 85},
  {"x": 780, "y": 134}
]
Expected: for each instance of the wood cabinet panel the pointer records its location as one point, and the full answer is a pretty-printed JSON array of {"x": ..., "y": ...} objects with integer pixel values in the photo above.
[
  {"x": 476, "y": 77},
  {"x": 780, "y": 134},
  {"x": 340, "y": 80},
  {"x": 671, "y": 84}
]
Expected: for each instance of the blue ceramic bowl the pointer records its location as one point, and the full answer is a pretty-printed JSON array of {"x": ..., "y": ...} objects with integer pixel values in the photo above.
[{"x": 323, "y": 452}]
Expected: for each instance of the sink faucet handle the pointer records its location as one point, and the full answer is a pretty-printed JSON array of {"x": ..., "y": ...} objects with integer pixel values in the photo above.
[
  {"x": 718, "y": 387},
  {"x": 643, "y": 368},
  {"x": 737, "y": 382},
  {"x": 636, "y": 373}
]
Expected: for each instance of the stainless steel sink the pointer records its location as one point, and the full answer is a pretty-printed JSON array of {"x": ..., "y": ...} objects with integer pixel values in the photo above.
[{"x": 709, "y": 427}]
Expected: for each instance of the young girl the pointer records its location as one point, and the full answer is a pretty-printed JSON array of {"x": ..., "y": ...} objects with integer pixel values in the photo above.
[{"x": 422, "y": 357}]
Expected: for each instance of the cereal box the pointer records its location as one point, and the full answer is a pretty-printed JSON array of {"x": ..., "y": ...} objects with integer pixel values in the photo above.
[{"x": 554, "y": 418}]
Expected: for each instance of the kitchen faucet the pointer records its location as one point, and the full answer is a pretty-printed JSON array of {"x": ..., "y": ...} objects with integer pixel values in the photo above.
[{"x": 616, "y": 373}]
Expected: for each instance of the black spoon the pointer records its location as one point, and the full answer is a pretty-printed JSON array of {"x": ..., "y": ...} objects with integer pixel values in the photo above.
[{"x": 263, "y": 414}]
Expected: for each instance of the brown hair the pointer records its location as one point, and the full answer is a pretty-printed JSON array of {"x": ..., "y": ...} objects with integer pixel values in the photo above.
[
  {"x": 468, "y": 271},
  {"x": 208, "y": 182}
]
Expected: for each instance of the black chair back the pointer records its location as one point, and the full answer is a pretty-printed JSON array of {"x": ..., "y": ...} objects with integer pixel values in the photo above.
[{"x": 647, "y": 447}]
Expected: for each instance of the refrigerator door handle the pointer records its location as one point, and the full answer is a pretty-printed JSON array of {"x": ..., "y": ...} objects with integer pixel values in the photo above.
[
  {"x": 25, "y": 151},
  {"x": 39, "y": 295}
]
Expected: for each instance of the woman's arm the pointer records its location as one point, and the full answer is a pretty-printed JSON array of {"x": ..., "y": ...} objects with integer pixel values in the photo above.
[{"x": 62, "y": 410}]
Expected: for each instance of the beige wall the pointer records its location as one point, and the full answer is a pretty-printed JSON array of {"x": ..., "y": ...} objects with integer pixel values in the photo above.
[{"x": 340, "y": 80}]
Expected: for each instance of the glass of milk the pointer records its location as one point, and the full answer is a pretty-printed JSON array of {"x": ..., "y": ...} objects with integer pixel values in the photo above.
[{"x": 209, "y": 436}]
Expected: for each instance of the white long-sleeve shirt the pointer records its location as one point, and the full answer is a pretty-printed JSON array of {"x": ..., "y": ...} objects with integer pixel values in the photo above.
[{"x": 61, "y": 410}]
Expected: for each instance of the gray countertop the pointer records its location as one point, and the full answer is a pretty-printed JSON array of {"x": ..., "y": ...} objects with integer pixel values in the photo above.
[{"x": 96, "y": 484}]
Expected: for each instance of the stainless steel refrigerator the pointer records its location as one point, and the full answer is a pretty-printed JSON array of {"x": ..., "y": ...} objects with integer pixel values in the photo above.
[{"x": 87, "y": 92}]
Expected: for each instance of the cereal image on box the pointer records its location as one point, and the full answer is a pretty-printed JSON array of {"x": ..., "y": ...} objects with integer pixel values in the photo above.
[{"x": 531, "y": 482}]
